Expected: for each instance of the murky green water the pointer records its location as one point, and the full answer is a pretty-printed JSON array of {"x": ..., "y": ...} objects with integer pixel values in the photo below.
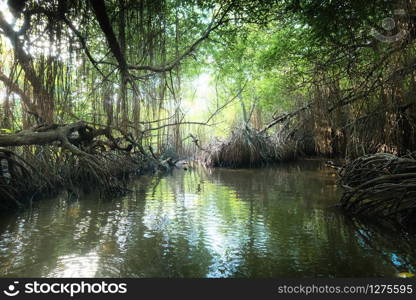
[{"x": 270, "y": 222}]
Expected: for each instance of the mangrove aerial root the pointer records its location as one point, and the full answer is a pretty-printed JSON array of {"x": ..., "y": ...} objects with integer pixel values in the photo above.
[
  {"x": 248, "y": 147},
  {"x": 381, "y": 185},
  {"x": 51, "y": 157}
]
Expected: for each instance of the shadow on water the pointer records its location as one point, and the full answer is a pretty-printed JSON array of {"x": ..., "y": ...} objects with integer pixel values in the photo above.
[{"x": 269, "y": 222}]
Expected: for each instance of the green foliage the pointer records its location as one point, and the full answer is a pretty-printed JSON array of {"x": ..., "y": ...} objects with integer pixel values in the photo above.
[{"x": 268, "y": 57}]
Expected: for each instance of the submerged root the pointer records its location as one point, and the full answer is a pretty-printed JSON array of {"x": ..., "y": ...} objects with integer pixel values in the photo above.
[{"x": 381, "y": 185}]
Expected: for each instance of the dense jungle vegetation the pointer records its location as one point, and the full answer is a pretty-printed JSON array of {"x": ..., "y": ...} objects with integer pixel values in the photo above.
[{"x": 97, "y": 91}]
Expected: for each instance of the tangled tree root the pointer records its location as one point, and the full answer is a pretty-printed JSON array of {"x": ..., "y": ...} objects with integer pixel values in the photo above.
[
  {"x": 48, "y": 158},
  {"x": 244, "y": 148},
  {"x": 381, "y": 185},
  {"x": 17, "y": 179},
  {"x": 26, "y": 177},
  {"x": 248, "y": 147}
]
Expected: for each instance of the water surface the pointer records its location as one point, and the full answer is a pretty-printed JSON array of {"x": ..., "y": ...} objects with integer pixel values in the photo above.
[{"x": 270, "y": 222}]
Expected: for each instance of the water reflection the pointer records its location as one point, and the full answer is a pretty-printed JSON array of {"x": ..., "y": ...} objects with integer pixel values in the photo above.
[
  {"x": 397, "y": 247},
  {"x": 76, "y": 266},
  {"x": 270, "y": 222}
]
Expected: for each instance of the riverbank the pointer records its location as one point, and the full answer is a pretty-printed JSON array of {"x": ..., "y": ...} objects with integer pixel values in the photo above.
[{"x": 43, "y": 171}]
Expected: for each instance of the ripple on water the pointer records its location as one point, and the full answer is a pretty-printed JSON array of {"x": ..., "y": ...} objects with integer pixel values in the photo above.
[
  {"x": 76, "y": 265},
  {"x": 266, "y": 222}
]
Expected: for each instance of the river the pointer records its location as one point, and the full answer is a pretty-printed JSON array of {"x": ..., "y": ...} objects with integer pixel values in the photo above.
[{"x": 267, "y": 222}]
